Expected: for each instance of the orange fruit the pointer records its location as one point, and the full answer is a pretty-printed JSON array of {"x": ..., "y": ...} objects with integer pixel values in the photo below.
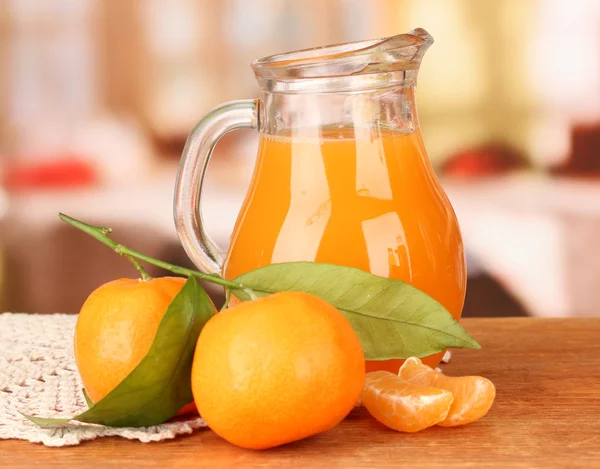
[
  {"x": 473, "y": 395},
  {"x": 188, "y": 409},
  {"x": 277, "y": 369},
  {"x": 401, "y": 405},
  {"x": 116, "y": 327}
]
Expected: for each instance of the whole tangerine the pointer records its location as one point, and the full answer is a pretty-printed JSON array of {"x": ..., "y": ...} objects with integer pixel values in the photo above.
[
  {"x": 277, "y": 369},
  {"x": 116, "y": 327}
]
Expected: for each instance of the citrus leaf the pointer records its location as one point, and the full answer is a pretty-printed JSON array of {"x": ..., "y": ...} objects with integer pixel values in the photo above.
[
  {"x": 160, "y": 385},
  {"x": 43, "y": 422},
  {"x": 392, "y": 318},
  {"x": 88, "y": 401}
]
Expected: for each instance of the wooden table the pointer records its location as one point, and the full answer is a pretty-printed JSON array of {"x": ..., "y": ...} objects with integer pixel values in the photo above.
[{"x": 546, "y": 415}]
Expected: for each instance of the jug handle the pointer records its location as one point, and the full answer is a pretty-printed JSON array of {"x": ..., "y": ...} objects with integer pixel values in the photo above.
[{"x": 198, "y": 245}]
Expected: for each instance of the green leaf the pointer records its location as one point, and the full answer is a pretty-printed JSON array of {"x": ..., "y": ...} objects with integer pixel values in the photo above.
[
  {"x": 160, "y": 385},
  {"x": 88, "y": 401},
  {"x": 392, "y": 318},
  {"x": 43, "y": 422}
]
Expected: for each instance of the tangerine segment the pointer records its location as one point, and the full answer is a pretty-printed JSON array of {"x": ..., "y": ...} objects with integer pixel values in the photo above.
[
  {"x": 473, "y": 395},
  {"x": 404, "y": 406},
  {"x": 395, "y": 364}
]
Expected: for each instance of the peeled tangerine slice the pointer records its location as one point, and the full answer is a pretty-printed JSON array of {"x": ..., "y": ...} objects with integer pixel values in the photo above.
[
  {"x": 473, "y": 395},
  {"x": 402, "y": 405}
]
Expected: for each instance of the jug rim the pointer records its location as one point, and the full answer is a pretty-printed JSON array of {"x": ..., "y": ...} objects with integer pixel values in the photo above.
[{"x": 327, "y": 66}]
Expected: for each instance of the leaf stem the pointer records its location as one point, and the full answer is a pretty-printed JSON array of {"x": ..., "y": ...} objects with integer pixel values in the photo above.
[
  {"x": 227, "y": 299},
  {"x": 100, "y": 233},
  {"x": 145, "y": 276}
]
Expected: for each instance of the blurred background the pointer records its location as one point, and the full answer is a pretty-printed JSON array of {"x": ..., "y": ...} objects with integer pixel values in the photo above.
[{"x": 97, "y": 99}]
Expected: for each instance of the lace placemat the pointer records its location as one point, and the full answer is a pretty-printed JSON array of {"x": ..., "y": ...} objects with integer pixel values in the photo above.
[{"x": 38, "y": 377}]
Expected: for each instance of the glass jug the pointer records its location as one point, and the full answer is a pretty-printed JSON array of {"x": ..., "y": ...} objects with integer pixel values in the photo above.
[{"x": 342, "y": 175}]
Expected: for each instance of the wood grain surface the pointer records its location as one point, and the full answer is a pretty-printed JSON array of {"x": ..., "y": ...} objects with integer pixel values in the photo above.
[{"x": 546, "y": 415}]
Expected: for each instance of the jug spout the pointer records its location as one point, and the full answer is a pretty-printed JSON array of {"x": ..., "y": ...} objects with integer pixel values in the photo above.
[{"x": 351, "y": 66}]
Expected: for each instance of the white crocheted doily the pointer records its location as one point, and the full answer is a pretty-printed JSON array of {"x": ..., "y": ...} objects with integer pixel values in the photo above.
[{"x": 38, "y": 377}]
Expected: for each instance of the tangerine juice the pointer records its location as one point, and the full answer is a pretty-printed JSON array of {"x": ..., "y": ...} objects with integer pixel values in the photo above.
[{"x": 360, "y": 197}]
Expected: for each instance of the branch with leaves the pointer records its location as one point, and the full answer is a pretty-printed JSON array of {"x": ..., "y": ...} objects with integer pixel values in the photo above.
[{"x": 391, "y": 318}]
